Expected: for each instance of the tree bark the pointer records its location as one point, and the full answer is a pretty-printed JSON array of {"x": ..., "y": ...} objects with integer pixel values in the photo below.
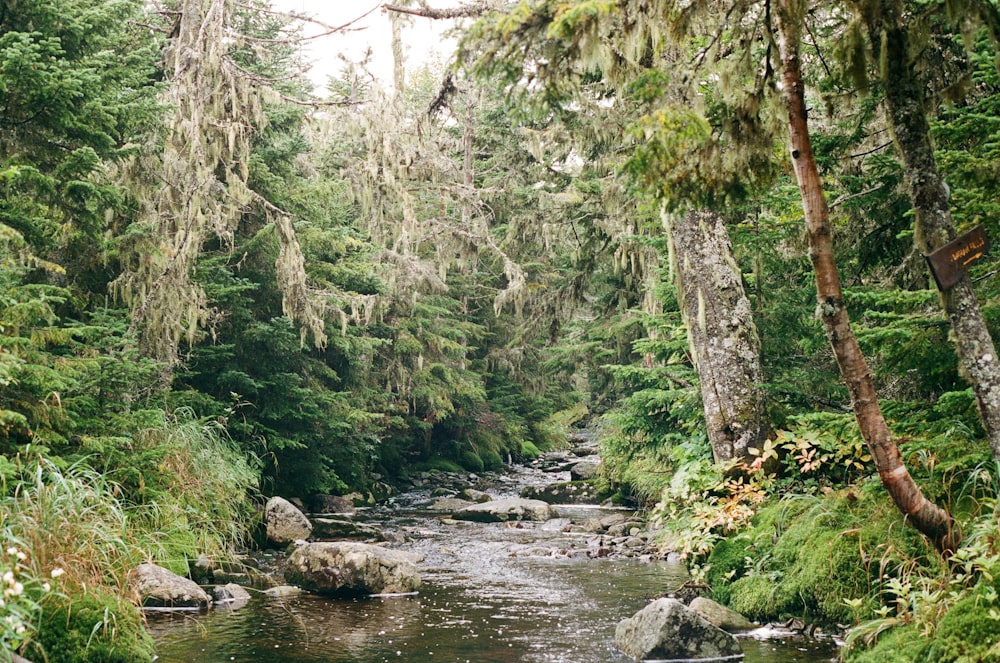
[
  {"x": 930, "y": 199},
  {"x": 721, "y": 334},
  {"x": 933, "y": 521}
]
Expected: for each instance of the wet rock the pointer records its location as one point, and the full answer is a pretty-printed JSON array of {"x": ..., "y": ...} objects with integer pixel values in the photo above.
[
  {"x": 513, "y": 508},
  {"x": 352, "y": 569},
  {"x": 667, "y": 629},
  {"x": 227, "y": 577},
  {"x": 338, "y": 504},
  {"x": 333, "y": 529},
  {"x": 448, "y": 505},
  {"x": 474, "y": 495},
  {"x": 283, "y": 591},
  {"x": 284, "y": 522},
  {"x": 585, "y": 470},
  {"x": 202, "y": 569},
  {"x": 157, "y": 587},
  {"x": 557, "y": 525},
  {"x": 721, "y": 616},
  {"x": 232, "y": 594},
  {"x": 566, "y": 492}
]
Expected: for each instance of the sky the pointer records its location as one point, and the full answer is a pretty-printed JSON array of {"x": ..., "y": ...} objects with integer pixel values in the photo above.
[{"x": 422, "y": 37}]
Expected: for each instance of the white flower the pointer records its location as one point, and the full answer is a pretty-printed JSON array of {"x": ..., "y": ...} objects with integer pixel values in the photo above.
[
  {"x": 57, "y": 572},
  {"x": 8, "y": 577},
  {"x": 21, "y": 556},
  {"x": 12, "y": 550},
  {"x": 46, "y": 586}
]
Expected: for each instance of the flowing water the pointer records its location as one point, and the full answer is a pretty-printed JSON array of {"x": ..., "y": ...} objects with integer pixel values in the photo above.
[{"x": 491, "y": 594}]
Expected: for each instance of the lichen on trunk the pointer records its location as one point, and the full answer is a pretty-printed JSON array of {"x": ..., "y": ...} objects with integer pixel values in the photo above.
[{"x": 721, "y": 334}]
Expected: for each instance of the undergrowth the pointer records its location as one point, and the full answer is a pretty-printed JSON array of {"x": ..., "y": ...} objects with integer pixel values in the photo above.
[{"x": 69, "y": 599}]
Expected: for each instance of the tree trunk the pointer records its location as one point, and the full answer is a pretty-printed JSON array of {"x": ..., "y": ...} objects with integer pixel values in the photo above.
[
  {"x": 930, "y": 199},
  {"x": 933, "y": 521},
  {"x": 721, "y": 334}
]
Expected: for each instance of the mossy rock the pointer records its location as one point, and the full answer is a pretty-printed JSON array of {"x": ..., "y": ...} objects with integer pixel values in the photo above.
[
  {"x": 529, "y": 451},
  {"x": 753, "y": 597},
  {"x": 95, "y": 628}
]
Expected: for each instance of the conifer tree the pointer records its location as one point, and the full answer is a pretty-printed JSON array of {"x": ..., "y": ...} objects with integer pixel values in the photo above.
[{"x": 193, "y": 186}]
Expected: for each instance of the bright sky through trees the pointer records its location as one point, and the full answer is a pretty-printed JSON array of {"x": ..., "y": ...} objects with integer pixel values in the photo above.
[{"x": 368, "y": 27}]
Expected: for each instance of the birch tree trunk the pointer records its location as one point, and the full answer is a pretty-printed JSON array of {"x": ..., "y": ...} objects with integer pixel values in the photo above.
[
  {"x": 721, "y": 334},
  {"x": 933, "y": 521},
  {"x": 930, "y": 199}
]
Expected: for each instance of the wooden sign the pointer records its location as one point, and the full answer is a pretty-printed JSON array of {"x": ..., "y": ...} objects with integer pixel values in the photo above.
[{"x": 950, "y": 262}]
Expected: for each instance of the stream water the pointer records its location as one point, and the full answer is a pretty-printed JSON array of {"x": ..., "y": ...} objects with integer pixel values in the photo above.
[{"x": 491, "y": 594}]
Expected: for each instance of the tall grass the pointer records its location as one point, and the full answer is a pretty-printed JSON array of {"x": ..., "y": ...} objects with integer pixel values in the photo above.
[{"x": 196, "y": 497}]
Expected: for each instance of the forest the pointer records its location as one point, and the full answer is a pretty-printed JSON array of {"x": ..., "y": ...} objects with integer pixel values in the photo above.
[{"x": 699, "y": 229}]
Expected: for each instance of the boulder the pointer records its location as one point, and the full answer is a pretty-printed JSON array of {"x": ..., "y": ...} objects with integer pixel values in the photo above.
[
  {"x": 352, "y": 569},
  {"x": 326, "y": 529},
  {"x": 585, "y": 470},
  {"x": 157, "y": 587},
  {"x": 514, "y": 508},
  {"x": 338, "y": 504},
  {"x": 233, "y": 594},
  {"x": 667, "y": 629},
  {"x": 721, "y": 616},
  {"x": 285, "y": 522},
  {"x": 473, "y": 495},
  {"x": 448, "y": 505},
  {"x": 566, "y": 492},
  {"x": 283, "y": 591}
]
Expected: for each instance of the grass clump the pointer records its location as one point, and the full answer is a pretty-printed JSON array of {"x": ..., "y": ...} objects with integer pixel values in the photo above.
[{"x": 76, "y": 535}]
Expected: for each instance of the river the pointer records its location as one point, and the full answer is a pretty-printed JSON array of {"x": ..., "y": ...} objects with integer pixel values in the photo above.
[{"x": 492, "y": 593}]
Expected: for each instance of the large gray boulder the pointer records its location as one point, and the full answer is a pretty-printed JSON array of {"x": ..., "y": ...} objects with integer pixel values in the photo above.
[
  {"x": 514, "y": 508},
  {"x": 157, "y": 587},
  {"x": 585, "y": 470},
  {"x": 721, "y": 616},
  {"x": 231, "y": 595},
  {"x": 667, "y": 629},
  {"x": 344, "y": 568},
  {"x": 284, "y": 522}
]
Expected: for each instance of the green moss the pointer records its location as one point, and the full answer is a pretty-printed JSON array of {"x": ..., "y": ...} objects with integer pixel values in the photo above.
[
  {"x": 470, "y": 461},
  {"x": 491, "y": 460},
  {"x": 439, "y": 464},
  {"x": 810, "y": 556},
  {"x": 753, "y": 597},
  {"x": 95, "y": 628},
  {"x": 728, "y": 561},
  {"x": 900, "y": 645},
  {"x": 967, "y": 634},
  {"x": 529, "y": 450}
]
